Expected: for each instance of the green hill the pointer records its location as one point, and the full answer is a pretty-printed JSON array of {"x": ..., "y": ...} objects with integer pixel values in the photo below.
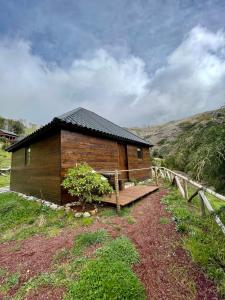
[{"x": 194, "y": 145}]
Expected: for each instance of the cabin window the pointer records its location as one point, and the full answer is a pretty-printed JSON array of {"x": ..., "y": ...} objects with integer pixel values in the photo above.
[
  {"x": 27, "y": 156},
  {"x": 139, "y": 153}
]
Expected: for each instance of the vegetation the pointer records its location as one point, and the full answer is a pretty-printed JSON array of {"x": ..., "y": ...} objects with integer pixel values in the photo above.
[
  {"x": 5, "y": 158},
  {"x": 20, "y": 127},
  {"x": 200, "y": 152},
  {"x": 202, "y": 237},
  {"x": 20, "y": 218},
  {"x": 85, "y": 184},
  {"x": 109, "y": 276},
  {"x": 95, "y": 276},
  {"x": 4, "y": 180}
]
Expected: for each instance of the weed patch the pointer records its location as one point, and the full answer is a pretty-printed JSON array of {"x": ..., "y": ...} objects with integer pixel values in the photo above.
[
  {"x": 87, "y": 239},
  {"x": 203, "y": 238}
]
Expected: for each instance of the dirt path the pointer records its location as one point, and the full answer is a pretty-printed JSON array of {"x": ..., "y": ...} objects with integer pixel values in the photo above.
[{"x": 165, "y": 268}]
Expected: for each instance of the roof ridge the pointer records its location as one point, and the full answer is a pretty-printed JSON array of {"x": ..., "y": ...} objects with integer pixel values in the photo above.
[{"x": 70, "y": 112}]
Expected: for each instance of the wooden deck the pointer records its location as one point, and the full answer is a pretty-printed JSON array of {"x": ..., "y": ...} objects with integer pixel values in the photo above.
[{"x": 131, "y": 194}]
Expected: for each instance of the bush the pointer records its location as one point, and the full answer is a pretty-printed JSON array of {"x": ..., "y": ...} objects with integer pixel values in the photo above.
[{"x": 87, "y": 185}]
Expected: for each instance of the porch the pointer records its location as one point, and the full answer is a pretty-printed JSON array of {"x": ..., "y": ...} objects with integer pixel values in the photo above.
[{"x": 131, "y": 194}]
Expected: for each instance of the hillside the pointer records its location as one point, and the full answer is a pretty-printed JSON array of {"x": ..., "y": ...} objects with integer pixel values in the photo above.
[
  {"x": 20, "y": 127},
  {"x": 195, "y": 145},
  {"x": 164, "y": 135}
]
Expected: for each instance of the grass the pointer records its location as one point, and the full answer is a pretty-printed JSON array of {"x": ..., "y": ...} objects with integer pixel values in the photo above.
[
  {"x": 106, "y": 275},
  {"x": 202, "y": 237},
  {"x": 111, "y": 212},
  {"x": 164, "y": 220},
  {"x": 20, "y": 218},
  {"x": 4, "y": 180},
  {"x": 215, "y": 202},
  {"x": 10, "y": 280},
  {"x": 109, "y": 276},
  {"x": 87, "y": 239},
  {"x": 5, "y": 158}
]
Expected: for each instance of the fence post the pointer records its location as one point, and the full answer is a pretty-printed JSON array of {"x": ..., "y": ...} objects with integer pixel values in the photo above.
[
  {"x": 202, "y": 204},
  {"x": 185, "y": 189},
  {"x": 156, "y": 177},
  {"x": 117, "y": 191}
]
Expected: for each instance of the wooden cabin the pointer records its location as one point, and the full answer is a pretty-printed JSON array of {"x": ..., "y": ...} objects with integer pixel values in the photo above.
[
  {"x": 41, "y": 160},
  {"x": 8, "y": 135}
]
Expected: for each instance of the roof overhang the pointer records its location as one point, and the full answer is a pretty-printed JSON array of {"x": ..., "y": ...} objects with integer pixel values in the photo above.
[{"x": 56, "y": 124}]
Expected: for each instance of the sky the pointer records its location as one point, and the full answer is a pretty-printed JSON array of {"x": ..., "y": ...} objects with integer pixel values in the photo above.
[{"x": 134, "y": 62}]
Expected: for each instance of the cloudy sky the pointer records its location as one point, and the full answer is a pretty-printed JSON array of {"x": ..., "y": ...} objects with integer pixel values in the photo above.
[{"x": 135, "y": 62}]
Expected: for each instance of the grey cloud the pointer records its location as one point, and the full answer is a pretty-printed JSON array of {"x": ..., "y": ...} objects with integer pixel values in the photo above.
[{"x": 120, "y": 89}]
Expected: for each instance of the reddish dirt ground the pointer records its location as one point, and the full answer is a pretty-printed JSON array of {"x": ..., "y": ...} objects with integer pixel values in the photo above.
[{"x": 165, "y": 269}]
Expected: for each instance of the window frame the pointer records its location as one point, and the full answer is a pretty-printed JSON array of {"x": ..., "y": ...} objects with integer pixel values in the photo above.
[
  {"x": 139, "y": 153},
  {"x": 27, "y": 157}
]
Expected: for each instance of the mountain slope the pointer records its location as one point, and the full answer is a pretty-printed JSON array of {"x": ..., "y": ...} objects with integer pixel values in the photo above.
[
  {"x": 164, "y": 135},
  {"x": 194, "y": 145}
]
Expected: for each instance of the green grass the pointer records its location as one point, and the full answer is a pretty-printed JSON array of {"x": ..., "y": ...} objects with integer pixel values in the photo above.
[
  {"x": 111, "y": 212},
  {"x": 215, "y": 202},
  {"x": 202, "y": 237},
  {"x": 164, "y": 220},
  {"x": 87, "y": 239},
  {"x": 20, "y": 218},
  {"x": 5, "y": 158},
  {"x": 105, "y": 275},
  {"x": 10, "y": 280},
  {"x": 109, "y": 276},
  {"x": 4, "y": 180}
]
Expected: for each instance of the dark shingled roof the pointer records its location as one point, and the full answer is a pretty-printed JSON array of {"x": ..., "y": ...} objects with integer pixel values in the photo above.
[
  {"x": 90, "y": 120},
  {"x": 84, "y": 120}
]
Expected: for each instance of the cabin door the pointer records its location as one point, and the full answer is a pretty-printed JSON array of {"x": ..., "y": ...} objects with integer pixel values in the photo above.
[{"x": 123, "y": 161}]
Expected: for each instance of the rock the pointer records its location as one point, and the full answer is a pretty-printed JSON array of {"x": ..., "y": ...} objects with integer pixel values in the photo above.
[
  {"x": 54, "y": 206},
  {"x": 78, "y": 215},
  {"x": 86, "y": 214},
  {"x": 94, "y": 212}
]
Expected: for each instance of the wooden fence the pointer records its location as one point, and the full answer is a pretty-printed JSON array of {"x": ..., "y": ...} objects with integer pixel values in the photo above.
[{"x": 182, "y": 184}]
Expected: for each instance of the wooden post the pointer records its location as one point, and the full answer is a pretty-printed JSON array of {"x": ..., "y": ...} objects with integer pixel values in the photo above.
[
  {"x": 211, "y": 210},
  {"x": 117, "y": 191},
  {"x": 179, "y": 186},
  {"x": 185, "y": 189},
  {"x": 156, "y": 177},
  {"x": 202, "y": 205}
]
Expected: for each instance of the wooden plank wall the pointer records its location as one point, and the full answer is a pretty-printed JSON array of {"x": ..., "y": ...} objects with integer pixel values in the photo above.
[
  {"x": 99, "y": 153},
  {"x": 41, "y": 177},
  {"x": 135, "y": 163}
]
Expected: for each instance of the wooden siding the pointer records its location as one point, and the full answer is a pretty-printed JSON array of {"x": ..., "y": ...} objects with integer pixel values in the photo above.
[
  {"x": 41, "y": 177},
  {"x": 135, "y": 163},
  {"x": 100, "y": 154}
]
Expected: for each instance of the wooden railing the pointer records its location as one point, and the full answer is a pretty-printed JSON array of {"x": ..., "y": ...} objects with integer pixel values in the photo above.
[{"x": 182, "y": 184}]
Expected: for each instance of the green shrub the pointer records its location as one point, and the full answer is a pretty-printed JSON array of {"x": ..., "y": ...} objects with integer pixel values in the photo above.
[{"x": 87, "y": 185}]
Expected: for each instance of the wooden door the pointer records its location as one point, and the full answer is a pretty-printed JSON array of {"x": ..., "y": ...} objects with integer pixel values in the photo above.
[{"x": 123, "y": 162}]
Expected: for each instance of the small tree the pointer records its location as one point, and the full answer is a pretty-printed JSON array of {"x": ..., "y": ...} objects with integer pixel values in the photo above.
[{"x": 83, "y": 182}]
